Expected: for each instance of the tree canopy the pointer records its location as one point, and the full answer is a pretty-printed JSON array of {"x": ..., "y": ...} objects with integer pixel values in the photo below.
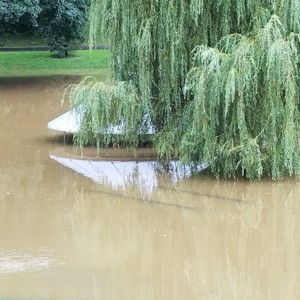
[
  {"x": 61, "y": 22},
  {"x": 219, "y": 79},
  {"x": 19, "y": 15}
]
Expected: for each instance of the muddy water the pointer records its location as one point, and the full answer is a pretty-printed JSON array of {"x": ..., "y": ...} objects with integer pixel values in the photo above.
[{"x": 65, "y": 236}]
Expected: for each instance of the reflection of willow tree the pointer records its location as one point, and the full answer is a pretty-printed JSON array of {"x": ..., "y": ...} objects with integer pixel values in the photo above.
[{"x": 218, "y": 78}]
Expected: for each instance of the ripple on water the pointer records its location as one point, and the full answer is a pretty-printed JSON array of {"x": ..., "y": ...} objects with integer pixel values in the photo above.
[{"x": 14, "y": 262}]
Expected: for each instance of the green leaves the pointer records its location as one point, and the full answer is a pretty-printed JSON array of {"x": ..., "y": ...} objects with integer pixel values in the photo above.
[
  {"x": 103, "y": 107},
  {"x": 257, "y": 82},
  {"x": 18, "y": 16},
  {"x": 220, "y": 80},
  {"x": 62, "y": 22}
]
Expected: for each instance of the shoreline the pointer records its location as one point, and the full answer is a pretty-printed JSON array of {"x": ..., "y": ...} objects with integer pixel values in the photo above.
[{"x": 46, "y": 48}]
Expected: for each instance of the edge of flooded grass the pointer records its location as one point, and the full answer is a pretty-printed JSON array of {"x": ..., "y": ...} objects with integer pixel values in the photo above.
[{"x": 13, "y": 75}]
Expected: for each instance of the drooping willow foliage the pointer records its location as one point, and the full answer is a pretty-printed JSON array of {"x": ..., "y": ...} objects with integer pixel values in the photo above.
[{"x": 219, "y": 79}]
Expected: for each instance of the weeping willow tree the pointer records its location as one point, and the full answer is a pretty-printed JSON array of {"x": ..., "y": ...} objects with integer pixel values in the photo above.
[{"x": 218, "y": 78}]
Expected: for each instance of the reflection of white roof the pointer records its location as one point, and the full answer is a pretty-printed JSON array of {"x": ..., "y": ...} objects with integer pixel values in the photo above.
[
  {"x": 69, "y": 122},
  {"x": 121, "y": 174},
  {"x": 117, "y": 174}
]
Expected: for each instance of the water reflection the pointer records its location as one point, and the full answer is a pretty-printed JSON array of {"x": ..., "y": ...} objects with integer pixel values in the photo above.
[
  {"x": 227, "y": 251},
  {"x": 123, "y": 174},
  {"x": 63, "y": 236},
  {"x": 12, "y": 261}
]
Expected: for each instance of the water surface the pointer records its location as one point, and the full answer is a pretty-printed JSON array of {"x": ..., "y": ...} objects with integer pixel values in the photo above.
[{"x": 65, "y": 236}]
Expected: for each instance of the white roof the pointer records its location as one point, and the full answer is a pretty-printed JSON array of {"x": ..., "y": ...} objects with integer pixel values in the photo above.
[{"x": 69, "y": 122}]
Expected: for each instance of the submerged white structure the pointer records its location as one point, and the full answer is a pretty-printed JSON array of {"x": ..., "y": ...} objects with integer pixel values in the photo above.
[
  {"x": 69, "y": 122},
  {"x": 116, "y": 172}
]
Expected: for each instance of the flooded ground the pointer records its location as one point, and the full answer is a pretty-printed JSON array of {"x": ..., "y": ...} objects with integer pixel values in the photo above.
[{"x": 66, "y": 236}]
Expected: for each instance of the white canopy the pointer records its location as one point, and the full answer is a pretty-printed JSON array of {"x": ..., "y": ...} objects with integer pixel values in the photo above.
[{"x": 69, "y": 122}]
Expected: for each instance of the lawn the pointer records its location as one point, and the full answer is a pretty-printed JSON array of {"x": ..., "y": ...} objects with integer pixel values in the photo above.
[{"x": 37, "y": 63}]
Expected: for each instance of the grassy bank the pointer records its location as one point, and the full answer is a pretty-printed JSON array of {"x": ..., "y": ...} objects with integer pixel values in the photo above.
[{"x": 40, "y": 63}]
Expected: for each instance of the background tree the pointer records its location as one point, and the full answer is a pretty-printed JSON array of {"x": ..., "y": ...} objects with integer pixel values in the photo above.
[
  {"x": 60, "y": 21},
  {"x": 19, "y": 16},
  {"x": 219, "y": 78},
  {"x": 63, "y": 22}
]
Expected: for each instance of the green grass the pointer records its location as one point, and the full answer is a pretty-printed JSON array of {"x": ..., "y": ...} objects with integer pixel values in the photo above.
[{"x": 37, "y": 63}]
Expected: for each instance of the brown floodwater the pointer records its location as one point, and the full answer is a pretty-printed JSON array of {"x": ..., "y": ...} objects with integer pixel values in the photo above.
[{"x": 134, "y": 233}]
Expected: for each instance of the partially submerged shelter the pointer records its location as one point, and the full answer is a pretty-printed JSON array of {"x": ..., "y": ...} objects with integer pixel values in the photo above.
[{"x": 69, "y": 122}]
